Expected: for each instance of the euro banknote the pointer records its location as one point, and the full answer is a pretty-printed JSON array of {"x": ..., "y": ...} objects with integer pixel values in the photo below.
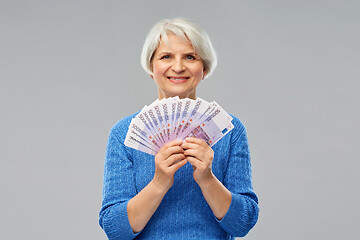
[{"x": 172, "y": 118}]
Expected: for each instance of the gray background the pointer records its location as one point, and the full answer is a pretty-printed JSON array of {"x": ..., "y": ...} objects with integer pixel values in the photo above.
[{"x": 288, "y": 69}]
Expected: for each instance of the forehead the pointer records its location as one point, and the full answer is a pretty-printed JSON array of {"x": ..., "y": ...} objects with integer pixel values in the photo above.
[{"x": 174, "y": 43}]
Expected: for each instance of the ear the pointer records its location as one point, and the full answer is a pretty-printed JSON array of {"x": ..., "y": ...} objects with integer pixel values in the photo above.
[{"x": 204, "y": 74}]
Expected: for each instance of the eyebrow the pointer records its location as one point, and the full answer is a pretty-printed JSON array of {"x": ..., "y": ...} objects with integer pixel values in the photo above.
[
  {"x": 162, "y": 53},
  {"x": 187, "y": 53}
]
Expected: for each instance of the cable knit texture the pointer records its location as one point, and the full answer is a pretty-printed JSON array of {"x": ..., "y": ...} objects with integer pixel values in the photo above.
[{"x": 183, "y": 212}]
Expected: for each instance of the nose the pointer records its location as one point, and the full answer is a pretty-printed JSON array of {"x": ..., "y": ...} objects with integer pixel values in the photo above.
[{"x": 178, "y": 66}]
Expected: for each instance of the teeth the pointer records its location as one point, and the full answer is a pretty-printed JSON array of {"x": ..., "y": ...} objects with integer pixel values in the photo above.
[{"x": 177, "y": 78}]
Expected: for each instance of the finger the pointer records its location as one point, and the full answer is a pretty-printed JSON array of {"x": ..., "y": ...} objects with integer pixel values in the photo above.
[
  {"x": 193, "y": 161},
  {"x": 174, "y": 158},
  {"x": 178, "y": 165},
  {"x": 168, "y": 145},
  {"x": 176, "y": 142},
  {"x": 167, "y": 152},
  {"x": 200, "y": 153},
  {"x": 173, "y": 149},
  {"x": 191, "y": 152},
  {"x": 195, "y": 140},
  {"x": 187, "y": 145}
]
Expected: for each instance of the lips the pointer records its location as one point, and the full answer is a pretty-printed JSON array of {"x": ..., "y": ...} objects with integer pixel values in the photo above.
[{"x": 176, "y": 79}]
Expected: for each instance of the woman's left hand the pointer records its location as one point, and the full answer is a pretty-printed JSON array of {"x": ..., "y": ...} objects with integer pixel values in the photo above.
[{"x": 200, "y": 155}]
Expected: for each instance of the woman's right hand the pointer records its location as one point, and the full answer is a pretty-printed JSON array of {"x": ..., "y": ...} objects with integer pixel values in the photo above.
[
  {"x": 141, "y": 207},
  {"x": 168, "y": 160}
]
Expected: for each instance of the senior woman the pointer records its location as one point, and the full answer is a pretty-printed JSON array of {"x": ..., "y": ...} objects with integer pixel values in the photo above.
[{"x": 188, "y": 190}]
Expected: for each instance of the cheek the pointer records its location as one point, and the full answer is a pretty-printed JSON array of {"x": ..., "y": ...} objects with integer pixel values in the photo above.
[
  {"x": 198, "y": 71},
  {"x": 158, "y": 69}
]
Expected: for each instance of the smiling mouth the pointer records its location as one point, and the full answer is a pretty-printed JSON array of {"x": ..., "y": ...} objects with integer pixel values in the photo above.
[{"x": 178, "y": 79}]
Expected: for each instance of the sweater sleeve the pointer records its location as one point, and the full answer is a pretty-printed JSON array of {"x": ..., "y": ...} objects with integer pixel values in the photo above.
[
  {"x": 243, "y": 212},
  {"x": 118, "y": 189}
]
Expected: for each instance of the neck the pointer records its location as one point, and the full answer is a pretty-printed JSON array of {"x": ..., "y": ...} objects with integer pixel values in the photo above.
[{"x": 191, "y": 95}]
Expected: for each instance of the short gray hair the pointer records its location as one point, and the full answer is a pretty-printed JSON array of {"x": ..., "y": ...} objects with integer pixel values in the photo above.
[{"x": 185, "y": 29}]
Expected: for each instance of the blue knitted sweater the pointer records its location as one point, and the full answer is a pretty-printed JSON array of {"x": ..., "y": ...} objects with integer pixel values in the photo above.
[{"x": 183, "y": 212}]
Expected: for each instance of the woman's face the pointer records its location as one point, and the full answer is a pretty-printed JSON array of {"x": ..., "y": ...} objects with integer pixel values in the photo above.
[{"x": 177, "y": 70}]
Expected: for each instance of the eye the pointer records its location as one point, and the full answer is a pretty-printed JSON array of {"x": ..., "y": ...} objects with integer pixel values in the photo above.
[
  {"x": 190, "y": 57},
  {"x": 165, "y": 57}
]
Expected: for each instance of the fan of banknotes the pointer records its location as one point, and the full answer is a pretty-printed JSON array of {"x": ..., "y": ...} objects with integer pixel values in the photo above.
[{"x": 172, "y": 118}]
